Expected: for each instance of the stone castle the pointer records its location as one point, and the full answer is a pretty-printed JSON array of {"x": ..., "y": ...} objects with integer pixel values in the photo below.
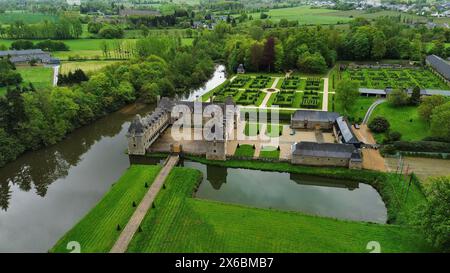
[{"x": 144, "y": 131}]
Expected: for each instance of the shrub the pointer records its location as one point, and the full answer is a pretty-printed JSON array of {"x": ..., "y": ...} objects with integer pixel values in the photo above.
[
  {"x": 394, "y": 136},
  {"x": 423, "y": 146},
  {"x": 22, "y": 44},
  {"x": 433, "y": 217},
  {"x": 379, "y": 125},
  {"x": 49, "y": 45},
  {"x": 111, "y": 32}
]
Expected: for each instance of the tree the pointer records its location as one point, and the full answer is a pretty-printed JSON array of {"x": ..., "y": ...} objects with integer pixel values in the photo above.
[
  {"x": 415, "y": 96},
  {"x": 440, "y": 121},
  {"x": 434, "y": 216},
  {"x": 149, "y": 92},
  {"x": 346, "y": 94},
  {"x": 256, "y": 32},
  {"x": 379, "y": 125},
  {"x": 269, "y": 54},
  {"x": 111, "y": 32},
  {"x": 312, "y": 63},
  {"x": 378, "y": 46},
  {"x": 428, "y": 104},
  {"x": 398, "y": 97}
]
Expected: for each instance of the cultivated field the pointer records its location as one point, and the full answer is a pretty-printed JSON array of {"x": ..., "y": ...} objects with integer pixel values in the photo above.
[
  {"x": 86, "y": 66},
  {"x": 305, "y": 15},
  {"x": 26, "y": 17}
]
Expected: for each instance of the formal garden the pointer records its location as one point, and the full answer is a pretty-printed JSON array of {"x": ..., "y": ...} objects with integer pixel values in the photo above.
[
  {"x": 292, "y": 92},
  {"x": 299, "y": 93},
  {"x": 397, "y": 78}
]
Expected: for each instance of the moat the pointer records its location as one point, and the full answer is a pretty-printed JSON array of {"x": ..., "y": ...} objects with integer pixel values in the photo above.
[
  {"x": 348, "y": 200},
  {"x": 46, "y": 192}
]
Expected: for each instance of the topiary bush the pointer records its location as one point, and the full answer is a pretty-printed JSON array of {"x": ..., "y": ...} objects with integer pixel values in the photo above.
[{"x": 379, "y": 125}]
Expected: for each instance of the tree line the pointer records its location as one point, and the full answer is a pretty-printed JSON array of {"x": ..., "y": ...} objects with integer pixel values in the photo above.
[{"x": 30, "y": 119}]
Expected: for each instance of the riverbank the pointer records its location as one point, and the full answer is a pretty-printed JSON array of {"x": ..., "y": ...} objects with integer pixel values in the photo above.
[
  {"x": 101, "y": 227},
  {"x": 182, "y": 223}
]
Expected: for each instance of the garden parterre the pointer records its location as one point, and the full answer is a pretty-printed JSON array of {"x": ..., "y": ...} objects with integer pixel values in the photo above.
[{"x": 400, "y": 78}]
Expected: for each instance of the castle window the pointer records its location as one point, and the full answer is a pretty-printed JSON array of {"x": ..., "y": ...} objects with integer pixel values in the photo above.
[{"x": 214, "y": 151}]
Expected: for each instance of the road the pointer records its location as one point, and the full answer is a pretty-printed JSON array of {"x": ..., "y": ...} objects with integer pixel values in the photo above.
[
  {"x": 325, "y": 95},
  {"x": 133, "y": 224},
  {"x": 370, "y": 110}
]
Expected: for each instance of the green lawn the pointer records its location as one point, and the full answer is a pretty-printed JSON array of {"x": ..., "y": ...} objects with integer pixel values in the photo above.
[
  {"x": 97, "y": 231},
  {"x": 244, "y": 150},
  {"x": 39, "y": 76},
  {"x": 269, "y": 152},
  {"x": 252, "y": 129},
  {"x": 405, "y": 120},
  {"x": 187, "y": 224},
  {"x": 181, "y": 223},
  {"x": 358, "y": 110},
  {"x": 274, "y": 130},
  {"x": 305, "y": 15},
  {"x": 26, "y": 17}
]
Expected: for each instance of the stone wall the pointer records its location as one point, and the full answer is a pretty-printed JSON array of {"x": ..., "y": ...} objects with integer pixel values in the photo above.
[
  {"x": 297, "y": 124},
  {"x": 319, "y": 161}
]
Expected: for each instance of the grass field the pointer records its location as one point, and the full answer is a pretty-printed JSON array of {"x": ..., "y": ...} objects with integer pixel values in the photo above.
[
  {"x": 181, "y": 223},
  {"x": 244, "y": 150},
  {"x": 39, "y": 76},
  {"x": 269, "y": 152},
  {"x": 252, "y": 129},
  {"x": 274, "y": 130},
  {"x": 97, "y": 231},
  {"x": 358, "y": 110},
  {"x": 305, "y": 15},
  {"x": 86, "y": 66},
  {"x": 186, "y": 224},
  {"x": 405, "y": 120},
  {"x": 26, "y": 17}
]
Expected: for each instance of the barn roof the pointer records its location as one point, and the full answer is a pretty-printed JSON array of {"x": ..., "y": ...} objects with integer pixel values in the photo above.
[
  {"x": 346, "y": 131},
  {"x": 334, "y": 150},
  {"x": 311, "y": 115},
  {"x": 438, "y": 64}
]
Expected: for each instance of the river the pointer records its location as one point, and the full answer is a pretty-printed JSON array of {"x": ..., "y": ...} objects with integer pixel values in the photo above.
[{"x": 44, "y": 193}]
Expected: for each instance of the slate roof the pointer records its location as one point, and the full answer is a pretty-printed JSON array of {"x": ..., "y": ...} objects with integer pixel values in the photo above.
[
  {"x": 165, "y": 105},
  {"x": 372, "y": 91},
  {"x": 332, "y": 150},
  {"x": 346, "y": 131},
  {"x": 438, "y": 64},
  {"x": 310, "y": 115},
  {"x": 17, "y": 56}
]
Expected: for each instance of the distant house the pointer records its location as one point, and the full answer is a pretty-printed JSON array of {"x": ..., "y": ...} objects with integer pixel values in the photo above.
[
  {"x": 310, "y": 119},
  {"x": 240, "y": 69},
  {"x": 25, "y": 56},
  {"x": 326, "y": 154},
  {"x": 138, "y": 12},
  {"x": 439, "y": 66}
]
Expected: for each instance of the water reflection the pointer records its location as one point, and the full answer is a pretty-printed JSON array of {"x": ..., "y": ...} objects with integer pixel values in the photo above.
[
  {"x": 72, "y": 176},
  {"x": 218, "y": 78},
  {"x": 310, "y": 194}
]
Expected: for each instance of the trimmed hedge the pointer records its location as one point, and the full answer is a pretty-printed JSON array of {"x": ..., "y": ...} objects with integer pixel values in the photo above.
[{"x": 422, "y": 146}]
